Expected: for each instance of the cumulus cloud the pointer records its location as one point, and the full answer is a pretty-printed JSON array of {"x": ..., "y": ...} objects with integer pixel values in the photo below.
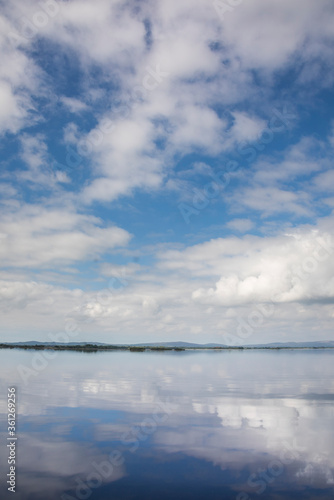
[
  {"x": 208, "y": 289},
  {"x": 290, "y": 267},
  {"x": 286, "y": 269}
]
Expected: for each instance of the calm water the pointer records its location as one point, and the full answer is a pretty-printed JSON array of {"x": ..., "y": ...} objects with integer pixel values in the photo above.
[{"x": 203, "y": 425}]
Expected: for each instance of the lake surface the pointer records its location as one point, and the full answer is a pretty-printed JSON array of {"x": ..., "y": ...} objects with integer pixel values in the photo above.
[{"x": 172, "y": 425}]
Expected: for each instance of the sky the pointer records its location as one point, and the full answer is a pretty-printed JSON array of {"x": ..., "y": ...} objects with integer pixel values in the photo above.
[{"x": 167, "y": 171}]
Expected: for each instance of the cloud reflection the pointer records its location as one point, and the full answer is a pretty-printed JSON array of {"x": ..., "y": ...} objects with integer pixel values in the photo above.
[{"x": 234, "y": 413}]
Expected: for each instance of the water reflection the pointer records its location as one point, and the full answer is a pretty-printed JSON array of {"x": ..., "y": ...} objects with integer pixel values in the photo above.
[{"x": 214, "y": 425}]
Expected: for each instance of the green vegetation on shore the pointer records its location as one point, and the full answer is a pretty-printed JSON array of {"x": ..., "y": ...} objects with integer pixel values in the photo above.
[{"x": 158, "y": 348}]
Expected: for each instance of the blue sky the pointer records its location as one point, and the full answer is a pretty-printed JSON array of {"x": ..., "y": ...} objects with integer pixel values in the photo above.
[{"x": 167, "y": 170}]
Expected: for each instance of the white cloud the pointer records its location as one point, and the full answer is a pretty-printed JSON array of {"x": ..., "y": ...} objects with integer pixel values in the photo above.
[
  {"x": 305, "y": 158},
  {"x": 36, "y": 236},
  {"x": 246, "y": 128},
  {"x": 268, "y": 201},
  {"x": 74, "y": 105},
  {"x": 241, "y": 225},
  {"x": 252, "y": 269},
  {"x": 20, "y": 79},
  {"x": 39, "y": 167},
  {"x": 325, "y": 181},
  {"x": 284, "y": 182},
  {"x": 267, "y": 36},
  {"x": 290, "y": 268}
]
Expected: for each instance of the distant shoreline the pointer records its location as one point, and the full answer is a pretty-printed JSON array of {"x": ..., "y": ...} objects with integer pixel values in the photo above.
[{"x": 94, "y": 348}]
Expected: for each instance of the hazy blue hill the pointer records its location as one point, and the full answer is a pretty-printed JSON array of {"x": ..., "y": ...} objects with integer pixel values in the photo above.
[
  {"x": 322, "y": 343},
  {"x": 173, "y": 344}
]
